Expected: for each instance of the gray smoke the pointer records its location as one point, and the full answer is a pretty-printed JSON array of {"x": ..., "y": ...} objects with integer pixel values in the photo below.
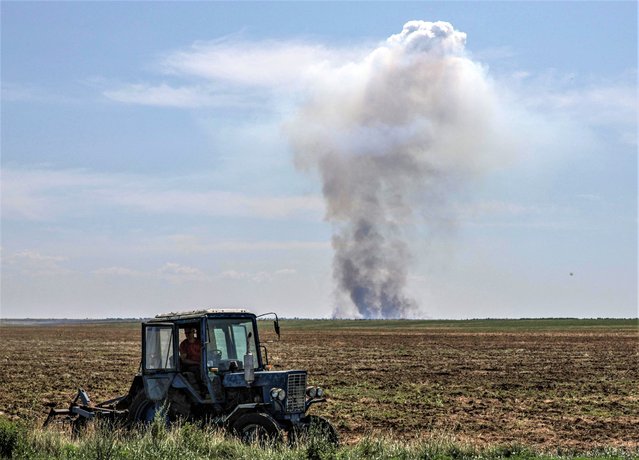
[{"x": 391, "y": 137}]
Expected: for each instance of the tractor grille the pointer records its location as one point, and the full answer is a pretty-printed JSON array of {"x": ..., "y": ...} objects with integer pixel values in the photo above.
[{"x": 296, "y": 393}]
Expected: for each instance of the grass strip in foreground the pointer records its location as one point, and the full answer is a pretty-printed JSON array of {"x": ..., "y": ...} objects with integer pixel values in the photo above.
[{"x": 104, "y": 441}]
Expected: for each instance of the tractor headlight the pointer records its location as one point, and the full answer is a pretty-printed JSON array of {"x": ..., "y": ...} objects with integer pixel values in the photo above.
[
  {"x": 319, "y": 392},
  {"x": 278, "y": 393},
  {"x": 311, "y": 392}
]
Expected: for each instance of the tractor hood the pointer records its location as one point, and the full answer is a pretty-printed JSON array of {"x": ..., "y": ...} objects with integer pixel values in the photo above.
[
  {"x": 292, "y": 382},
  {"x": 268, "y": 379}
]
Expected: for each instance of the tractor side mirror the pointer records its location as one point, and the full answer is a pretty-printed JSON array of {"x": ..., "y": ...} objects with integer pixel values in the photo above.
[{"x": 276, "y": 325}]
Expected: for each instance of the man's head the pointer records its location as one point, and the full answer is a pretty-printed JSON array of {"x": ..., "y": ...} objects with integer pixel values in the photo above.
[{"x": 190, "y": 332}]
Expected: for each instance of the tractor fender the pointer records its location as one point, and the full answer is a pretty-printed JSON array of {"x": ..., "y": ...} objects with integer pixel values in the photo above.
[
  {"x": 242, "y": 409},
  {"x": 134, "y": 389}
]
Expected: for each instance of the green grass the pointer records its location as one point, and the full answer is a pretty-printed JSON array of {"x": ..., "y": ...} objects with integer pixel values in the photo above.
[{"x": 103, "y": 441}]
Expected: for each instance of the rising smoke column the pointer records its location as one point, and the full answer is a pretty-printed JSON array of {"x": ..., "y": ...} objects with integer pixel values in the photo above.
[{"x": 391, "y": 137}]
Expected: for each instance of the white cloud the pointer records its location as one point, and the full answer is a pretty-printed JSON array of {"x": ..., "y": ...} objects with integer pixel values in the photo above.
[
  {"x": 497, "y": 208},
  {"x": 554, "y": 98},
  {"x": 233, "y": 275},
  {"x": 118, "y": 271},
  {"x": 40, "y": 194},
  {"x": 211, "y": 203},
  {"x": 599, "y": 105},
  {"x": 234, "y": 72},
  {"x": 192, "y": 244},
  {"x": 164, "y": 95},
  {"x": 34, "y": 263},
  {"x": 161, "y": 95},
  {"x": 257, "y": 277},
  {"x": 35, "y": 256},
  {"x": 174, "y": 271},
  {"x": 50, "y": 194},
  {"x": 170, "y": 270},
  {"x": 269, "y": 63}
]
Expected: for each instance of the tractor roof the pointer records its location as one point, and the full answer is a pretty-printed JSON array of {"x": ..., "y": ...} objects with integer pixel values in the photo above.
[{"x": 199, "y": 313}]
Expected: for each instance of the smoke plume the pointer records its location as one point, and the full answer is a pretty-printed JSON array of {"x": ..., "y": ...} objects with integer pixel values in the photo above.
[{"x": 392, "y": 136}]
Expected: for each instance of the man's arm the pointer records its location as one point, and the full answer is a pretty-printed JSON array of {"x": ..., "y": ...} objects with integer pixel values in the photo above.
[{"x": 183, "y": 352}]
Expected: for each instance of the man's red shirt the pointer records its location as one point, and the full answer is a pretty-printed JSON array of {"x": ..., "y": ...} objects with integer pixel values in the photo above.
[{"x": 192, "y": 349}]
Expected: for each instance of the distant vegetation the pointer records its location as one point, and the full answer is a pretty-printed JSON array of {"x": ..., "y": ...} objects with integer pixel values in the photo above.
[
  {"x": 468, "y": 324},
  {"x": 52, "y": 321},
  {"x": 307, "y": 323}
]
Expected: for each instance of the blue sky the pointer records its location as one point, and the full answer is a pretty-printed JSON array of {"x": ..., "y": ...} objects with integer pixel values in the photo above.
[{"x": 148, "y": 159}]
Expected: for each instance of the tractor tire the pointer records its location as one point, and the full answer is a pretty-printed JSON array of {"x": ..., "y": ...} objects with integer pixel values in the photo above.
[
  {"x": 257, "y": 427},
  {"x": 314, "y": 427},
  {"x": 142, "y": 410}
]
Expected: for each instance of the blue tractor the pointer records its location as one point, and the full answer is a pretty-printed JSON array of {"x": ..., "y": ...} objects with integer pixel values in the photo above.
[{"x": 231, "y": 385}]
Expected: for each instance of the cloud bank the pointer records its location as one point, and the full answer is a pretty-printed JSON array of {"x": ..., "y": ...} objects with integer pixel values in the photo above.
[{"x": 44, "y": 194}]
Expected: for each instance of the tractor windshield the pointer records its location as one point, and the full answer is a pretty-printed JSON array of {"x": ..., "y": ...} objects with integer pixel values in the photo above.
[{"x": 227, "y": 342}]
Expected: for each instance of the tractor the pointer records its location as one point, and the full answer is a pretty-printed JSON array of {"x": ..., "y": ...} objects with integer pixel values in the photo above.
[{"x": 232, "y": 385}]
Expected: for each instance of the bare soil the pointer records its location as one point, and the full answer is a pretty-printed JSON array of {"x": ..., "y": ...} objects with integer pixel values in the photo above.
[{"x": 573, "y": 388}]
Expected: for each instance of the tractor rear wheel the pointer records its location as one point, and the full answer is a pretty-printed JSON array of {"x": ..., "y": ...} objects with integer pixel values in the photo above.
[
  {"x": 142, "y": 409},
  {"x": 257, "y": 427}
]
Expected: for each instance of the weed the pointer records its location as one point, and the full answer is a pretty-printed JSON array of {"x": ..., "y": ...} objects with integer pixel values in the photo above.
[{"x": 10, "y": 433}]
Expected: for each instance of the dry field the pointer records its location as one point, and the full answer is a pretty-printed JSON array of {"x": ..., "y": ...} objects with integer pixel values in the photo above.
[{"x": 546, "y": 384}]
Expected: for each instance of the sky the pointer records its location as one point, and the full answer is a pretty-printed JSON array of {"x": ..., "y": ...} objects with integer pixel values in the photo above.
[{"x": 173, "y": 156}]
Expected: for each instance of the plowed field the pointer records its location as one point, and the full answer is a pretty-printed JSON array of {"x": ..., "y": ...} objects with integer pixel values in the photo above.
[{"x": 545, "y": 384}]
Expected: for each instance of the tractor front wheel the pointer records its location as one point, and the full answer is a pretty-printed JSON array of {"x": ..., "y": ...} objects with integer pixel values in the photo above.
[
  {"x": 257, "y": 427},
  {"x": 315, "y": 427}
]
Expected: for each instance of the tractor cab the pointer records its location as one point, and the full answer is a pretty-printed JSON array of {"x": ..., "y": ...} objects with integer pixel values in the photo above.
[{"x": 199, "y": 348}]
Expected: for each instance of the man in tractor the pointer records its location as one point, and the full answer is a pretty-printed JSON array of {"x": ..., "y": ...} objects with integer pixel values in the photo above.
[{"x": 191, "y": 350}]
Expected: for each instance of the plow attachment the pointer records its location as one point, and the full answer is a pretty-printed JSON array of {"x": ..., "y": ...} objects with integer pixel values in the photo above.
[{"x": 81, "y": 410}]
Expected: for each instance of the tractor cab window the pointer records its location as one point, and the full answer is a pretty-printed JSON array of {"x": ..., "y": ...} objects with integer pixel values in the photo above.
[
  {"x": 158, "y": 342},
  {"x": 227, "y": 343}
]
